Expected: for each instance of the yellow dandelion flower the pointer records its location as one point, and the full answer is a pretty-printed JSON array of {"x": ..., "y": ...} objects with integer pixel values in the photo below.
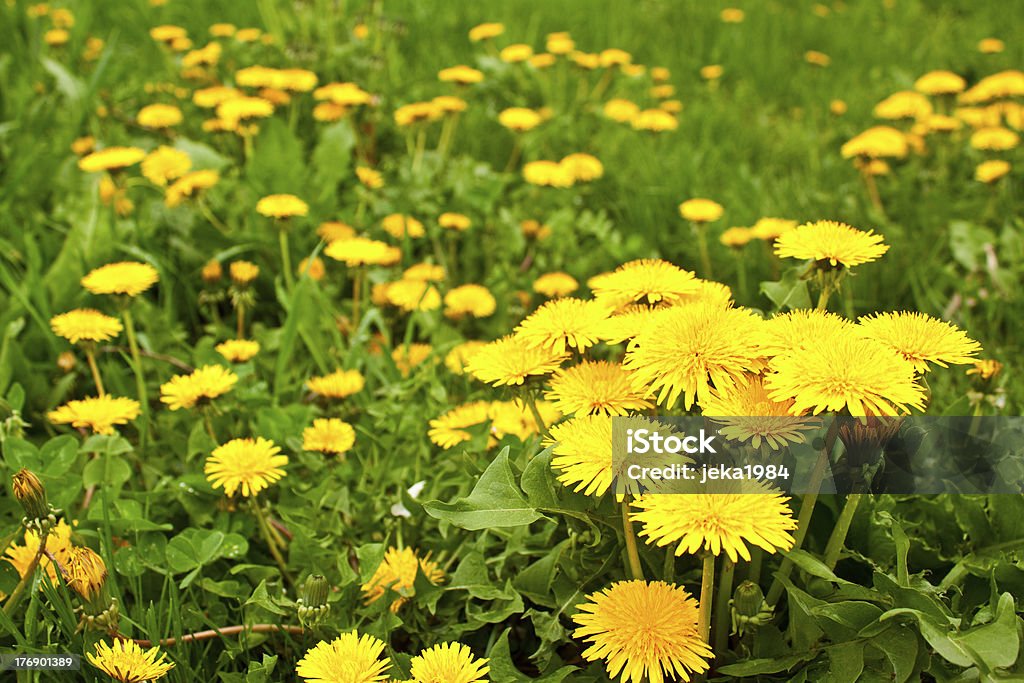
[
  {"x": 454, "y": 221},
  {"x": 509, "y": 361},
  {"x": 313, "y": 267},
  {"x": 736, "y": 237},
  {"x": 85, "y": 324},
  {"x": 127, "y": 277},
  {"x": 543, "y": 60},
  {"x": 237, "y": 109},
  {"x": 519, "y": 119},
  {"x": 414, "y": 295},
  {"x": 991, "y": 46},
  {"x": 167, "y": 33},
  {"x": 832, "y": 242},
  {"x": 338, "y": 384},
  {"x": 799, "y": 329},
  {"x": 125, "y": 661},
  {"x": 164, "y": 164},
  {"x": 816, "y": 58},
  {"x": 845, "y": 372},
  {"x": 920, "y": 338},
  {"x": 209, "y": 98},
  {"x": 556, "y": 284},
  {"x": 190, "y": 185},
  {"x": 701, "y": 210},
  {"x": 408, "y": 356},
  {"x": 238, "y": 350},
  {"x": 880, "y": 141},
  {"x": 58, "y": 544},
  {"x": 448, "y": 662},
  {"x": 475, "y": 301},
  {"x": 717, "y": 522},
  {"x": 222, "y": 30},
  {"x": 732, "y": 15},
  {"x": 644, "y": 281},
  {"x": 644, "y": 631},
  {"x": 837, "y": 107},
  {"x": 424, "y": 271},
  {"x": 985, "y": 369},
  {"x": 688, "y": 349},
  {"x": 348, "y": 658},
  {"x": 994, "y": 139},
  {"x": 582, "y": 167},
  {"x": 245, "y": 465},
  {"x": 747, "y": 413},
  {"x": 449, "y": 104},
  {"x": 992, "y": 170},
  {"x": 281, "y": 206},
  {"x": 654, "y": 120},
  {"x": 486, "y": 31},
  {"x": 621, "y": 110},
  {"x": 369, "y": 177},
  {"x": 628, "y": 323},
  {"x": 940, "y": 83},
  {"x": 329, "y": 435},
  {"x": 459, "y": 356},
  {"x": 83, "y": 145},
  {"x": 397, "y": 573},
  {"x": 461, "y": 74},
  {"x": 594, "y": 387},
  {"x": 771, "y": 228},
  {"x": 562, "y": 323},
  {"x": 111, "y": 159},
  {"x": 559, "y": 43},
  {"x": 159, "y": 116},
  {"x": 711, "y": 72},
  {"x": 449, "y": 430},
  {"x": 582, "y": 453},
  {"x": 548, "y": 174},
  {"x": 905, "y": 104},
  {"x": 417, "y": 112},
  {"x": 99, "y": 414},
  {"x": 331, "y": 231},
  {"x": 398, "y": 226},
  {"x": 515, "y": 53},
  {"x": 201, "y": 386},
  {"x": 516, "y": 419}
]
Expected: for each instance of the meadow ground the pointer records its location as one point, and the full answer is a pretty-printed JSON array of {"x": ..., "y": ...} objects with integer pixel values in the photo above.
[{"x": 315, "y": 318}]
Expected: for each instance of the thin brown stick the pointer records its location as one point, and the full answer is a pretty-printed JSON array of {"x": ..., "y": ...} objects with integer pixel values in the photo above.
[{"x": 213, "y": 633}]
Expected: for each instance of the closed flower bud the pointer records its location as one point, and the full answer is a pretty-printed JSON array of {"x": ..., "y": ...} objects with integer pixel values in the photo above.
[
  {"x": 749, "y": 608},
  {"x": 29, "y": 491},
  {"x": 312, "y": 600}
]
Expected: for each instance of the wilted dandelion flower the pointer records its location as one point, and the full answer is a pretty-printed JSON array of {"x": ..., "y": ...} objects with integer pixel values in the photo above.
[
  {"x": 836, "y": 243},
  {"x": 99, "y": 414},
  {"x": 594, "y": 387},
  {"x": 190, "y": 185},
  {"x": 449, "y": 430},
  {"x": 879, "y": 141},
  {"x": 397, "y": 573},
  {"x": 486, "y": 31},
  {"x": 701, "y": 210},
  {"x": 159, "y": 116},
  {"x": 125, "y": 661},
  {"x": 454, "y": 221},
  {"x": 555, "y": 284},
  {"x": 165, "y": 164},
  {"x": 85, "y": 324},
  {"x": 127, "y": 277},
  {"x": 992, "y": 170},
  {"x": 84, "y": 571},
  {"x": 920, "y": 338},
  {"x": 643, "y": 281},
  {"x": 462, "y": 74},
  {"x": 111, "y": 159},
  {"x": 583, "y": 167},
  {"x": 510, "y": 360},
  {"x": 994, "y": 139},
  {"x": 349, "y": 658},
  {"x": 985, "y": 369},
  {"x": 243, "y": 272},
  {"x": 717, "y": 522},
  {"x": 845, "y": 372},
  {"x": 360, "y": 251},
  {"x": 655, "y": 120},
  {"x": 563, "y": 323},
  {"x": 245, "y": 465},
  {"x": 475, "y": 301},
  {"x": 940, "y": 83},
  {"x": 238, "y": 350},
  {"x": 329, "y": 435},
  {"x": 201, "y": 386},
  {"x": 688, "y": 349},
  {"x": 519, "y": 119},
  {"x": 399, "y": 225},
  {"x": 548, "y": 174},
  {"x": 281, "y": 206},
  {"x": 448, "y": 662},
  {"x": 644, "y": 631},
  {"x": 339, "y": 384}
]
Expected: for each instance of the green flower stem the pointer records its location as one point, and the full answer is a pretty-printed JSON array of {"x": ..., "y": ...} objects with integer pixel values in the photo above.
[
  {"x": 240, "y": 314},
  {"x": 531, "y": 401},
  {"x": 707, "y": 591},
  {"x": 842, "y": 527},
  {"x": 268, "y": 537},
  {"x": 286, "y": 259},
  {"x": 635, "y": 568},
  {"x": 357, "y": 296},
  {"x": 722, "y": 619},
  {"x": 705, "y": 256},
  {"x": 90, "y": 356},
  {"x": 803, "y": 521},
  {"x": 26, "y": 580},
  {"x": 754, "y": 569},
  {"x": 140, "y": 380}
]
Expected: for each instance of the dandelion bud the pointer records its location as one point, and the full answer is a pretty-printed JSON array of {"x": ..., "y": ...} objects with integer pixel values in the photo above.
[
  {"x": 312, "y": 602},
  {"x": 30, "y": 492},
  {"x": 749, "y": 608},
  {"x": 212, "y": 271}
]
